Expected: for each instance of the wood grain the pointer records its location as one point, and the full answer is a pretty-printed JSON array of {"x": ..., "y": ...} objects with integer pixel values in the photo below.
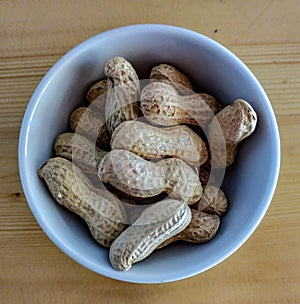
[{"x": 265, "y": 35}]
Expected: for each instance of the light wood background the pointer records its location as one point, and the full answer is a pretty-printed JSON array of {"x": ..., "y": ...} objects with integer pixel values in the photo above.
[{"x": 264, "y": 34}]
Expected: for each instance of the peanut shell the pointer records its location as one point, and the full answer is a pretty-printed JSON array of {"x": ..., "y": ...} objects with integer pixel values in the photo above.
[
  {"x": 213, "y": 201},
  {"x": 202, "y": 228},
  {"x": 88, "y": 123},
  {"x": 161, "y": 105},
  {"x": 141, "y": 178},
  {"x": 101, "y": 210},
  {"x": 169, "y": 74},
  {"x": 96, "y": 95},
  {"x": 81, "y": 151},
  {"x": 157, "y": 223},
  {"x": 151, "y": 142},
  {"x": 229, "y": 127},
  {"x": 123, "y": 91}
]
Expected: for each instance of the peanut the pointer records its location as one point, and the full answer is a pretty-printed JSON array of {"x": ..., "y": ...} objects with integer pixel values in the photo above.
[
  {"x": 161, "y": 105},
  {"x": 157, "y": 223},
  {"x": 237, "y": 121},
  {"x": 211, "y": 102},
  {"x": 169, "y": 74},
  {"x": 152, "y": 142},
  {"x": 202, "y": 228},
  {"x": 123, "y": 90},
  {"x": 133, "y": 212},
  {"x": 87, "y": 123},
  {"x": 81, "y": 151},
  {"x": 141, "y": 178},
  {"x": 213, "y": 201},
  {"x": 96, "y": 95},
  {"x": 101, "y": 210},
  {"x": 205, "y": 175}
]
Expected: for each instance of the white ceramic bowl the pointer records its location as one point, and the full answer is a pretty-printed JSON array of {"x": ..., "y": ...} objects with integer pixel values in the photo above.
[{"x": 249, "y": 184}]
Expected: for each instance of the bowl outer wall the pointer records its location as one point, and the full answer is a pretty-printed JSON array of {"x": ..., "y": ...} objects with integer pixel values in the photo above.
[{"x": 249, "y": 185}]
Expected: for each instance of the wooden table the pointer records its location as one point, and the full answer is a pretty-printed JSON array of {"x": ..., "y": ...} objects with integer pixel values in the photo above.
[{"x": 265, "y": 35}]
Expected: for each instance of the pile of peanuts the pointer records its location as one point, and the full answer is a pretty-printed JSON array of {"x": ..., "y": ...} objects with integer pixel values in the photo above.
[{"x": 137, "y": 162}]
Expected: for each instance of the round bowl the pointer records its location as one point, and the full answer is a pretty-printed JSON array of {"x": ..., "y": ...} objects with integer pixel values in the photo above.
[{"x": 249, "y": 184}]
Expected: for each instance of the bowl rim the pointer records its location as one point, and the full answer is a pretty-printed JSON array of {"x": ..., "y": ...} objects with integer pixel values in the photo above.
[{"x": 35, "y": 99}]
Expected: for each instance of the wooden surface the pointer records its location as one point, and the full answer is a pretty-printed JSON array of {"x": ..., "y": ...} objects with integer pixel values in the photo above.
[{"x": 265, "y": 35}]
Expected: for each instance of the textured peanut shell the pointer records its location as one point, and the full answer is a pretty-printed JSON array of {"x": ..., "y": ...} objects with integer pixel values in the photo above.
[
  {"x": 237, "y": 121},
  {"x": 101, "y": 210},
  {"x": 81, "y": 151},
  {"x": 223, "y": 154},
  {"x": 96, "y": 95},
  {"x": 157, "y": 223},
  {"x": 133, "y": 212},
  {"x": 206, "y": 175},
  {"x": 138, "y": 177},
  {"x": 213, "y": 201},
  {"x": 88, "y": 123},
  {"x": 169, "y": 74},
  {"x": 214, "y": 105},
  {"x": 161, "y": 105},
  {"x": 152, "y": 142},
  {"x": 123, "y": 91},
  {"x": 96, "y": 89},
  {"x": 202, "y": 228},
  {"x": 133, "y": 200}
]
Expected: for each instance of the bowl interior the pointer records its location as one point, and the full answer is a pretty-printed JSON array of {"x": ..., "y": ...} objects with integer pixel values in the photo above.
[{"x": 214, "y": 70}]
